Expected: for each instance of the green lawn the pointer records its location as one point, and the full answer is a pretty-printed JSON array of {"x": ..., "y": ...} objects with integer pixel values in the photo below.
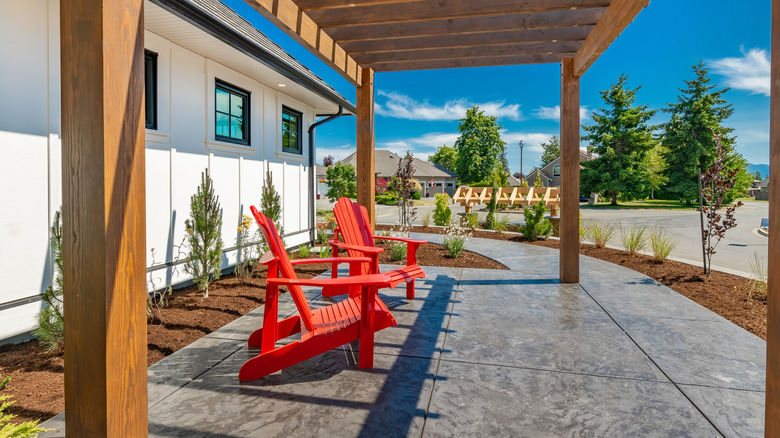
[{"x": 648, "y": 204}]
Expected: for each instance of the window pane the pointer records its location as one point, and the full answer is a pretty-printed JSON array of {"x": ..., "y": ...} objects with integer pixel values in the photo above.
[
  {"x": 223, "y": 101},
  {"x": 223, "y": 128},
  {"x": 237, "y": 128},
  {"x": 236, "y": 106}
]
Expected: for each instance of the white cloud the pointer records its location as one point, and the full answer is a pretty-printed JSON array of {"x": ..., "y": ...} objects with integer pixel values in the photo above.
[
  {"x": 751, "y": 72},
  {"x": 401, "y": 106},
  {"x": 532, "y": 141},
  {"x": 338, "y": 152},
  {"x": 421, "y": 146},
  {"x": 554, "y": 113}
]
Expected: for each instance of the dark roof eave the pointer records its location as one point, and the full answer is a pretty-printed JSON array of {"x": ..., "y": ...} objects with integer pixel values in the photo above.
[{"x": 209, "y": 24}]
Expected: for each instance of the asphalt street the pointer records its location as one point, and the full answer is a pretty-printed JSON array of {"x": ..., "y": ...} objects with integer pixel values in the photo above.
[{"x": 734, "y": 252}]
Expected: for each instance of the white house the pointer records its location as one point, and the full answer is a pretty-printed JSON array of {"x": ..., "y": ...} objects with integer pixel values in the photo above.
[{"x": 220, "y": 95}]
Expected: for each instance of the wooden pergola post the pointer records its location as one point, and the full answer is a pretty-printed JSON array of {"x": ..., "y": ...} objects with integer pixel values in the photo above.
[
  {"x": 104, "y": 217},
  {"x": 570, "y": 174},
  {"x": 772, "y": 416},
  {"x": 365, "y": 143}
]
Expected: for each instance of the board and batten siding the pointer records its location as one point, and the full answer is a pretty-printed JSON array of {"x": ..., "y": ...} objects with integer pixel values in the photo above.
[{"x": 181, "y": 147}]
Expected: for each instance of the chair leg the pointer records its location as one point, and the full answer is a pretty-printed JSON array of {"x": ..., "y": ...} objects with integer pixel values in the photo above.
[
  {"x": 410, "y": 290},
  {"x": 367, "y": 310}
]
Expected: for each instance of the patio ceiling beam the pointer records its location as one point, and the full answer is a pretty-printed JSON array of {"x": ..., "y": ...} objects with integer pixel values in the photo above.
[
  {"x": 427, "y": 10},
  {"x": 366, "y": 184},
  {"x": 470, "y": 52},
  {"x": 459, "y": 26},
  {"x": 470, "y": 62},
  {"x": 617, "y": 17},
  {"x": 772, "y": 405},
  {"x": 286, "y": 15},
  {"x": 104, "y": 217},
  {"x": 485, "y": 39},
  {"x": 570, "y": 174}
]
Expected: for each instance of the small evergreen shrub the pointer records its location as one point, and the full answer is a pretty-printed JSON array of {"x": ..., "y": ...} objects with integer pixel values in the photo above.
[
  {"x": 492, "y": 207},
  {"x": 455, "y": 240},
  {"x": 205, "y": 241},
  {"x": 536, "y": 225},
  {"x": 426, "y": 219},
  {"x": 416, "y": 195},
  {"x": 661, "y": 243},
  {"x": 50, "y": 330},
  {"x": 601, "y": 233},
  {"x": 271, "y": 203},
  {"x": 633, "y": 239},
  {"x": 442, "y": 214}
]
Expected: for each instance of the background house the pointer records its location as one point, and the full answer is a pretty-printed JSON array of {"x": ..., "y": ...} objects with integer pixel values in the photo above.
[
  {"x": 551, "y": 173},
  {"x": 219, "y": 95},
  {"x": 433, "y": 177}
]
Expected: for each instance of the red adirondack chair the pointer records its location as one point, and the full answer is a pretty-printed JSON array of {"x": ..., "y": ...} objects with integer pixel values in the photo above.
[
  {"x": 355, "y": 229},
  {"x": 357, "y": 317}
]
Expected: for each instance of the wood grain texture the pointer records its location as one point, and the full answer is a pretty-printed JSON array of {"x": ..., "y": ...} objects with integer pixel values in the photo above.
[
  {"x": 617, "y": 17},
  {"x": 104, "y": 214},
  {"x": 286, "y": 15},
  {"x": 554, "y": 19},
  {"x": 570, "y": 174},
  {"x": 470, "y": 62},
  {"x": 469, "y": 52},
  {"x": 365, "y": 144},
  {"x": 468, "y": 40},
  {"x": 428, "y": 10},
  {"x": 772, "y": 417}
]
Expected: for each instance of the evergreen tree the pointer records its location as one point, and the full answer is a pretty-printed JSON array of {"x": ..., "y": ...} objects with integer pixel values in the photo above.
[
  {"x": 205, "y": 241},
  {"x": 50, "y": 330},
  {"x": 551, "y": 150},
  {"x": 622, "y": 138},
  {"x": 445, "y": 157},
  {"x": 698, "y": 114},
  {"x": 271, "y": 202},
  {"x": 479, "y": 146}
]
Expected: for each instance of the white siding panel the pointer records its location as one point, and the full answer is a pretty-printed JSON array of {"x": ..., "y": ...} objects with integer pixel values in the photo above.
[
  {"x": 252, "y": 175},
  {"x": 225, "y": 173},
  {"x": 158, "y": 205},
  {"x": 185, "y": 179},
  {"x": 188, "y": 106},
  {"x": 290, "y": 199}
]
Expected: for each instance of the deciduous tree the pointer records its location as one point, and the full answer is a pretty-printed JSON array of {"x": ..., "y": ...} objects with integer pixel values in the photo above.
[
  {"x": 445, "y": 157},
  {"x": 341, "y": 181},
  {"x": 479, "y": 146}
]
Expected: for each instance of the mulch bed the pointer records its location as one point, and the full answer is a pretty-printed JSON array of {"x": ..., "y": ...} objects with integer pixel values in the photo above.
[{"x": 37, "y": 377}]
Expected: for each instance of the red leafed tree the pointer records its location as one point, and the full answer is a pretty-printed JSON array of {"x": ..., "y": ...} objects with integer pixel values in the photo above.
[
  {"x": 713, "y": 185},
  {"x": 381, "y": 186}
]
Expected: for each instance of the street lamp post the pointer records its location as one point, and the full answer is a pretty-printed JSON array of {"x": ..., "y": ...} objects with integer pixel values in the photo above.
[{"x": 522, "y": 175}]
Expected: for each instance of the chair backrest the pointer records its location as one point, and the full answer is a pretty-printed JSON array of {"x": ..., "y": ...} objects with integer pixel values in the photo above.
[
  {"x": 276, "y": 247},
  {"x": 354, "y": 226}
]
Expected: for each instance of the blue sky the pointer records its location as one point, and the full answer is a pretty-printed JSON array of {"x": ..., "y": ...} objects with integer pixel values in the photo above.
[{"x": 419, "y": 110}]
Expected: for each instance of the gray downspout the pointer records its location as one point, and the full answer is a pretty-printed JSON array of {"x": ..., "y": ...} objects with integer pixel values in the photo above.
[{"x": 313, "y": 173}]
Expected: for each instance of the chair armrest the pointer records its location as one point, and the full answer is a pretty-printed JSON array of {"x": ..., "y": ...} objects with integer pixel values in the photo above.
[
  {"x": 363, "y": 249},
  {"x": 331, "y": 260},
  {"x": 402, "y": 239},
  {"x": 334, "y": 286},
  {"x": 268, "y": 258}
]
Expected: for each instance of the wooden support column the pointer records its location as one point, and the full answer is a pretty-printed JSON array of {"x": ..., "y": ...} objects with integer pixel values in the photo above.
[
  {"x": 365, "y": 143},
  {"x": 104, "y": 217},
  {"x": 772, "y": 418},
  {"x": 570, "y": 174}
]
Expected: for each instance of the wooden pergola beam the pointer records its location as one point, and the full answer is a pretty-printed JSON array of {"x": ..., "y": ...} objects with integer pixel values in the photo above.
[
  {"x": 104, "y": 217},
  {"x": 366, "y": 184},
  {"x": 484, "y": 39},
  {"x": 772, "y": 405},
  {"x": 470, "y": 52},
  {"x": 336, "y": 4},
  {"x": 427, "y": 10},
  {"x": 617, "y": 17},
  {"x": 470, "y": 62},
  {"x": 555, "y": 19},
  {"x": 570, "y": 174},
  {"x": 286, "y": 15}
]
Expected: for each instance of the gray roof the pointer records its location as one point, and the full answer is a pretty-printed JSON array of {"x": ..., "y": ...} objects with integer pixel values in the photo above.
[
  {"x": 386, "y": 164},
  {"x": 222, "y": 22}
]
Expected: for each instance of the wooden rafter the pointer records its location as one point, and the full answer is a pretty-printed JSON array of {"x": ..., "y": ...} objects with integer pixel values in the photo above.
[
  {"x": 428, "y": 10},
  {"x": 470, "y": 62},
  {"x": 289, "y": 17},
  {"x": 469, "y": 52},
  {"x": 577, "y": 17},
  {"x": 619, "y": 15},
  {"x": 469, "y": 40}
]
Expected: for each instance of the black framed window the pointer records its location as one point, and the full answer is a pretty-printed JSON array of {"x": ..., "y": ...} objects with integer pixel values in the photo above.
[
  {"x": 291, "y": 131},
  {"x": 150, "y": 78},
  {"x": 231, "y": 113},
  {"x": 557, "y": 170}
]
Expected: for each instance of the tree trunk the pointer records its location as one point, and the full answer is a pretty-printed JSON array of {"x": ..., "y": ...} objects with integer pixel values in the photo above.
[{"x": 614, "y": 199}]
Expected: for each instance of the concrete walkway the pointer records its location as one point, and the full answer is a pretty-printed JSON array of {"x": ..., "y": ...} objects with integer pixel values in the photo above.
[{"x": 487, "y": 353}]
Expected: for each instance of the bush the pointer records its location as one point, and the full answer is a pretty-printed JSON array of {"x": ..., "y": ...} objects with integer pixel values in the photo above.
[
  {"x": 471, "y": 221},
  {"x": 442, "y": 214},
  {"x": 661, "y": 243},
  {"x": 426, "y": 219},
  {"x": 325, "y": 251},
  {"x": 501, "y": 223},
  {"x": 416, "y": 195},
  {"x": 340, "y": 181},
  {"x": 50, "y": 330},
  {"x": 633, "y": 239},
  {"x": 397, "y": 251},
  {"x": 601, "y": 233},
  {"x": 204, "y": 240},
  {"x": 388, "y": 199},
  {"x": 536, "y": 225},
  {"x": 304, "y": 251},
  {"x": 455, "y": 240},
  {"x": 758, "y": 284}
]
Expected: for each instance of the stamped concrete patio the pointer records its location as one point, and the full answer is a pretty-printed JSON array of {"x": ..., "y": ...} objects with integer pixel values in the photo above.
[{"x": 487, "y": 353}]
